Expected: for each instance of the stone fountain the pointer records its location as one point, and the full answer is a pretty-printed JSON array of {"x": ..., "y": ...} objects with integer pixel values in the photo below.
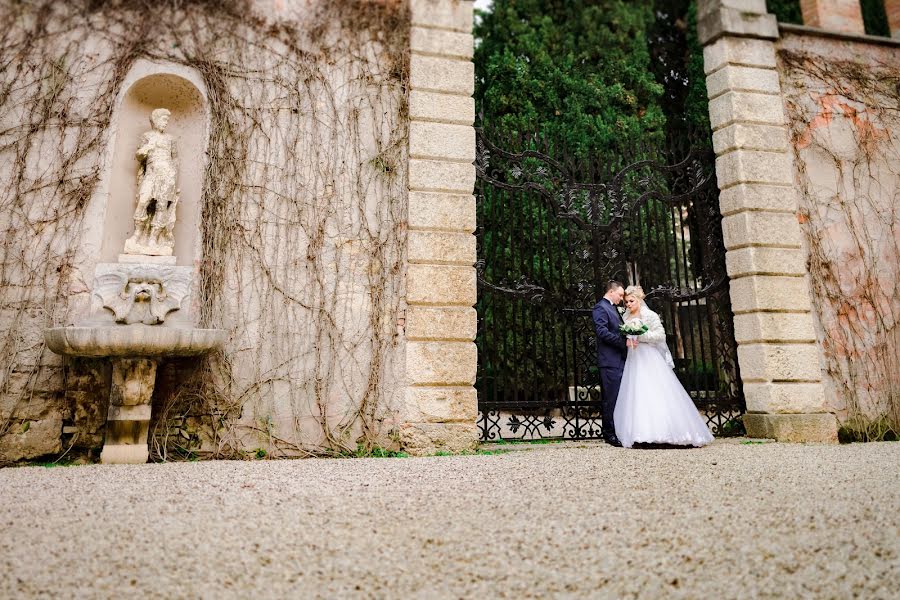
[{"x": 140, "y": 310}]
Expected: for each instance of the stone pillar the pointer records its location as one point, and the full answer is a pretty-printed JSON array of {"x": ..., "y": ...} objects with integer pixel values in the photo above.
[
  {"x": 892, "y": 9},
  {"x": 834, "y": 15},
  {"x": 766, "y": 260},
  {"x": 128, "y": 420},
  {"x": 440, "y": 404}
]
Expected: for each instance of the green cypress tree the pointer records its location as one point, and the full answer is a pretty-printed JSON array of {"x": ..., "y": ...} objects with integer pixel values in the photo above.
[
  {"x": 575, "y": 70},
  {"x": 786, "y": 11},
  {"x": 678, "y": 65},
  {"x": 875, "y": 17}
]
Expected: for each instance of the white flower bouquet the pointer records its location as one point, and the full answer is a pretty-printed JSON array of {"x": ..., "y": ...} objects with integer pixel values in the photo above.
[{"x": 633, "y": 328}]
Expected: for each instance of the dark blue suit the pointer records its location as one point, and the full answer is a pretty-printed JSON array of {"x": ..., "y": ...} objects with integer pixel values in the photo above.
[{"x": 611, "y": 352}]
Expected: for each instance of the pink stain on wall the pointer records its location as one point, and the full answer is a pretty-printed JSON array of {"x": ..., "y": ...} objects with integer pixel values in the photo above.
[
  {"x": 832, "y": 105},
  {"x": 841, "y": 105}
]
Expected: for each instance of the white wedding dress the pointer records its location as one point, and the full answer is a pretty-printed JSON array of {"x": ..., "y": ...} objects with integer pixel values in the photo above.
[{"x": 652, "y": 406}]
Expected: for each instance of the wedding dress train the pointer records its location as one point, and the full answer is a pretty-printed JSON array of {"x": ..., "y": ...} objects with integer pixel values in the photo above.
[{"x": 652, "y": 406}]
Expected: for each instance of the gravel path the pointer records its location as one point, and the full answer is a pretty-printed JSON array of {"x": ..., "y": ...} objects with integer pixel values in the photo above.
[{"x": 728, "y": 521}]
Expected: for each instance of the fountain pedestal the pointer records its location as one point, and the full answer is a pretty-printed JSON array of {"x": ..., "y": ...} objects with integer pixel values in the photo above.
[
  {"x": 129, "y": 326},
  {"x": 128, "y": 419}
]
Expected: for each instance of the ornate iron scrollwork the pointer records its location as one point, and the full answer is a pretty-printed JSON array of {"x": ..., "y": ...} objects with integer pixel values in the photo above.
[{"x": 552, "y": 228}]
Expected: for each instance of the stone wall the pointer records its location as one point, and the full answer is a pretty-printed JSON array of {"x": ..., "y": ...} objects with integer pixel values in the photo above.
[
  {"x": 840, "y": 96},
  {"x": 791, "y": 238},
  {"x": 339, "y": 259}
]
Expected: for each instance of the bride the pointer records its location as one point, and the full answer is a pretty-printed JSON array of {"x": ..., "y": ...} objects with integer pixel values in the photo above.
[{"x": 652, "y": 406}]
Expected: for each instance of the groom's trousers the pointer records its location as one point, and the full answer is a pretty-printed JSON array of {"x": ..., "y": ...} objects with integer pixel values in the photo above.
[{"x": 610, "y": 380}]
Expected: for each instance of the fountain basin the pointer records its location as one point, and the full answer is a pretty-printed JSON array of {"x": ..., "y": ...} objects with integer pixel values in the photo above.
[{"x": 129, "y": 341}]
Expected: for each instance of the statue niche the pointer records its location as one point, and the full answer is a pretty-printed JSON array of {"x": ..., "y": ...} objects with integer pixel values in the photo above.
[{"x": 157, "y": 195}]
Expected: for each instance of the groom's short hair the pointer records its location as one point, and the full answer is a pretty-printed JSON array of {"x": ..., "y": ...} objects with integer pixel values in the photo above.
[{"x": 612, "y": 284}]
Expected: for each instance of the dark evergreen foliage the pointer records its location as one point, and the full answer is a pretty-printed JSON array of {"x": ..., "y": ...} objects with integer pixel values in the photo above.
[
  {"x": 786, "y": 11},
  {"x": 875, "y": 17},
  {"x": 576, "y": 70}
]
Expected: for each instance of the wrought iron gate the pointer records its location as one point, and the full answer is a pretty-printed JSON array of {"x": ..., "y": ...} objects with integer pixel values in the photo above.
[{"x": 551, "y": 231}]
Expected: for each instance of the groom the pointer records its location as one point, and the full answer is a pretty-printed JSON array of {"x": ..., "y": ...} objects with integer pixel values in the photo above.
[{"x": 611, "y": 351}]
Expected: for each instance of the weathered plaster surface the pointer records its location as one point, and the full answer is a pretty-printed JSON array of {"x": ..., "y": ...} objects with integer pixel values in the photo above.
[
  {"x": 300, "y": 331},
  {"x": 840, "y": 98}
]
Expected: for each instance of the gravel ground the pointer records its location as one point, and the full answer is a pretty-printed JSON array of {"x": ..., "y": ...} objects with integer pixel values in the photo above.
[{"x": 731, "y": 520}]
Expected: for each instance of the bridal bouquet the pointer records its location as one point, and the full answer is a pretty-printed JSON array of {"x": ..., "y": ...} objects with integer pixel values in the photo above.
[{"x": 633, "y": 328}]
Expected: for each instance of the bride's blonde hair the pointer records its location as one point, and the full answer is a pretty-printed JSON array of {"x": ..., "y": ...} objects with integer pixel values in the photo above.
[{"x": 636, "y": 291}]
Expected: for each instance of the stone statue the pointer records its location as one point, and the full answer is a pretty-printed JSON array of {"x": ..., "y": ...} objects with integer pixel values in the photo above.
[{"x": 157, "y": 196}]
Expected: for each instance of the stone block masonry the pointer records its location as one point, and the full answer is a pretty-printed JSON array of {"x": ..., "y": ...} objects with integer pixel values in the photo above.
[
  {"x": 440, "y": 406},
  {"x": 770, "y": 294},
  {"x": 834, "y": 15}
]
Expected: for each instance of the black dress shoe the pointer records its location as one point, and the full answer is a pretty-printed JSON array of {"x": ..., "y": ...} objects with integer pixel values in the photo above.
[{"x": 613, "y": 441}]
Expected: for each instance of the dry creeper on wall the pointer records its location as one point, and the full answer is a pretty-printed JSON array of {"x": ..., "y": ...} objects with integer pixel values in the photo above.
[
  {"x": 844, "y": 124},
  {"x": 303, "y": 203}
]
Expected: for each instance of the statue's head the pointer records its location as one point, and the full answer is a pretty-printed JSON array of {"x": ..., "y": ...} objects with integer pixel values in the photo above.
[{"x": 159, "y": 119}]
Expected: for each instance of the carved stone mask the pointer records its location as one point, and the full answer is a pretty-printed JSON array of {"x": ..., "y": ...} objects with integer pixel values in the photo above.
[{"x": 142, "y": 294}]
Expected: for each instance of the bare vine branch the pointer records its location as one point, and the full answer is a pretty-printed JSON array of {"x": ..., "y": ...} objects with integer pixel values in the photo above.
[
  {"x": 842, "y": 113},
  {"x": 303, "y": 204}
]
